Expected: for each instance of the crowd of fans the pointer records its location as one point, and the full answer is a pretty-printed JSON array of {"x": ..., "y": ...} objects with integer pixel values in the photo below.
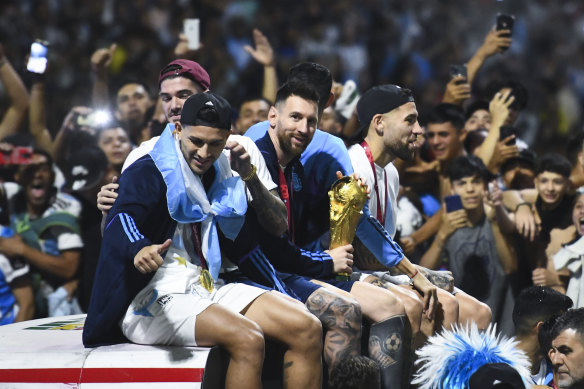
[{"x": 488, "y": 134}]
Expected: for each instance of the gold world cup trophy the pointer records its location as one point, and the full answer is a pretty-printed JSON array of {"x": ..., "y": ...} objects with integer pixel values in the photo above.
[{"x": 347, "y": 198}]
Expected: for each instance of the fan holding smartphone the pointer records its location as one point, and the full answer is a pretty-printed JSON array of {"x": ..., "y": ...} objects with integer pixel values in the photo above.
[{"x": 37, "y": 60}]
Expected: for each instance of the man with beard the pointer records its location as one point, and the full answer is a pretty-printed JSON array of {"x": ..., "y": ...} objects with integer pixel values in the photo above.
[
  {"x": 292, "y": 125},
  {"x": 133, "y": 103},
  {"x": 158, "y": 277},
  {"x": 47, "y": 235}
]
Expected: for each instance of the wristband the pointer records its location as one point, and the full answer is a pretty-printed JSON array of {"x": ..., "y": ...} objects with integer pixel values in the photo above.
[
  {"x": 251, "y": 174},
  {"x": 520, "y": 204},
  {"x": 412, "y": 278}
]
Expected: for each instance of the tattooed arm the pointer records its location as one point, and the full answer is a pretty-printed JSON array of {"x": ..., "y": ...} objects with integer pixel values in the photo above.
[
  {"x": 269, "y": 208},
  {"x": 442, "y": 279}
]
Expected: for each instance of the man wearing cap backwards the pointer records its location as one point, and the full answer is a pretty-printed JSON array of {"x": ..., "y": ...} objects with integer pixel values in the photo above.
[
  {"x": 389, "y": 124},
  {"x": 342, "y": 331},
  {"x": 157, "y": 280},
  {"x": 178, "y": 80},
  {"x": 292, "y": 124}
]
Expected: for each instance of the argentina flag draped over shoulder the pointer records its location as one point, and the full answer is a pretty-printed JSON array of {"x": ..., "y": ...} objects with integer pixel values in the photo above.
[{"x": 225, "y": 204}]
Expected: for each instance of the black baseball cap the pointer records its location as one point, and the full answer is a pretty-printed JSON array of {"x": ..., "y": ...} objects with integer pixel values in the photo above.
[
  {"x": 496, "y": 375},
  {"x": 379, "y": 100},
  {"x": 190, "y": 112}
]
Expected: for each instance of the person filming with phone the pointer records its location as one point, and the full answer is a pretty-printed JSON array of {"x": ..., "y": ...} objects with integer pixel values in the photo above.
[{"x": 473, "y": 238}]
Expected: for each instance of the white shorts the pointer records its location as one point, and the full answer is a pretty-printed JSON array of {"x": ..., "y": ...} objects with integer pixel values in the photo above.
[{"x": 155, "y": 317}]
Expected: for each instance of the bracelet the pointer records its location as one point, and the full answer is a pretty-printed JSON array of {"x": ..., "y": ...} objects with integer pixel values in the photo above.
[
  {"x": 520, "y": 204},
  {"x": 412, "y": 277},
  {"x": 251, "y": 174}
]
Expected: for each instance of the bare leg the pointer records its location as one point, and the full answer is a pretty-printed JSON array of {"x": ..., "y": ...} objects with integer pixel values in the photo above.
[
  {"x": 412, "y": 303},
  {"x": 241, "y": 337},
  {"x": 289, "y": 322},
  {"x": 390, "y": 337},
  {"x": 341, "y": 319},
  {"x": 472, "y": 309}
]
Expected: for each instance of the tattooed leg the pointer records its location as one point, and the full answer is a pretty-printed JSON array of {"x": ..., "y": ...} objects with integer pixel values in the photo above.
[
  {"x": 287, "y": 321},
  {"x": 389, "y": 346},
  {"x": 341, "y": 321}
]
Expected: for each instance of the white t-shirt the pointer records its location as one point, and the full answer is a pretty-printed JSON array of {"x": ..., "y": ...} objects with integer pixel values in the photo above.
[
  {"x": 249, "y": 145},
  {"x": 362, "y": 166}
]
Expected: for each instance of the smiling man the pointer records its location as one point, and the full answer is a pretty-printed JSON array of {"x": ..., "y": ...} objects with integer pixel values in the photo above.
[{"x": 158, "y": 277}]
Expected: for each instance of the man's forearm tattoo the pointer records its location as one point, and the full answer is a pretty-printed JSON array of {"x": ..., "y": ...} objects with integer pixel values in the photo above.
[
  {"x": 270, "y": 210},
  {"x": 443, "y": 279}
]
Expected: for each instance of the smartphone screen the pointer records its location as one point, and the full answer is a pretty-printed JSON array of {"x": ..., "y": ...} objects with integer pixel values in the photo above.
[
  {"x": 37, "y": 61},
  {"x": 453, "y": 203},
  {"x": 507, "y": 131},
  {"x": 458, "y": 70},
  {"x": 191, "y": 30}
]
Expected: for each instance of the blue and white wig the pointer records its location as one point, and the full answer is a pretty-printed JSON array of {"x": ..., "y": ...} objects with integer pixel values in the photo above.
[{"x": 448, "y": 360}]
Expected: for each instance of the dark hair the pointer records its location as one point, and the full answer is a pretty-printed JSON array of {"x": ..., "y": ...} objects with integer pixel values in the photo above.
[
  {"x": 255, "y": 98},
  {"x": 468, "y": 166},
  {"x": 517, "y": 90},
  {"x": 555, "y": 163},
  {"x": 535, "y": 304},
  {"x": 357, "y": 372},
  {"x": 572, "y": 319},
  {"x": 316, "y": 75},
  {"x": 134, "y": 81},
  {"x": 476, "y": 106},
  {"x": 294, "y": 88},
  {"x": 445, "y": 113}
]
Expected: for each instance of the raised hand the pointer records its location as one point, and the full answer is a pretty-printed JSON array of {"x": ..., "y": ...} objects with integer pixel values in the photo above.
[{"x": 263, "y": 52}]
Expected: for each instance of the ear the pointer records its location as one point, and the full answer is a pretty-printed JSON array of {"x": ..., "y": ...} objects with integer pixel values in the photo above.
[
  {"x": 117, "y": 114},
  {"x": 462, "y": 135},
  {"x": 377, "y": 123},
  {"x": 537, "y": 327},
  {"x": 330, "y": 100},
  {"x": 273, "y": 116}
]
